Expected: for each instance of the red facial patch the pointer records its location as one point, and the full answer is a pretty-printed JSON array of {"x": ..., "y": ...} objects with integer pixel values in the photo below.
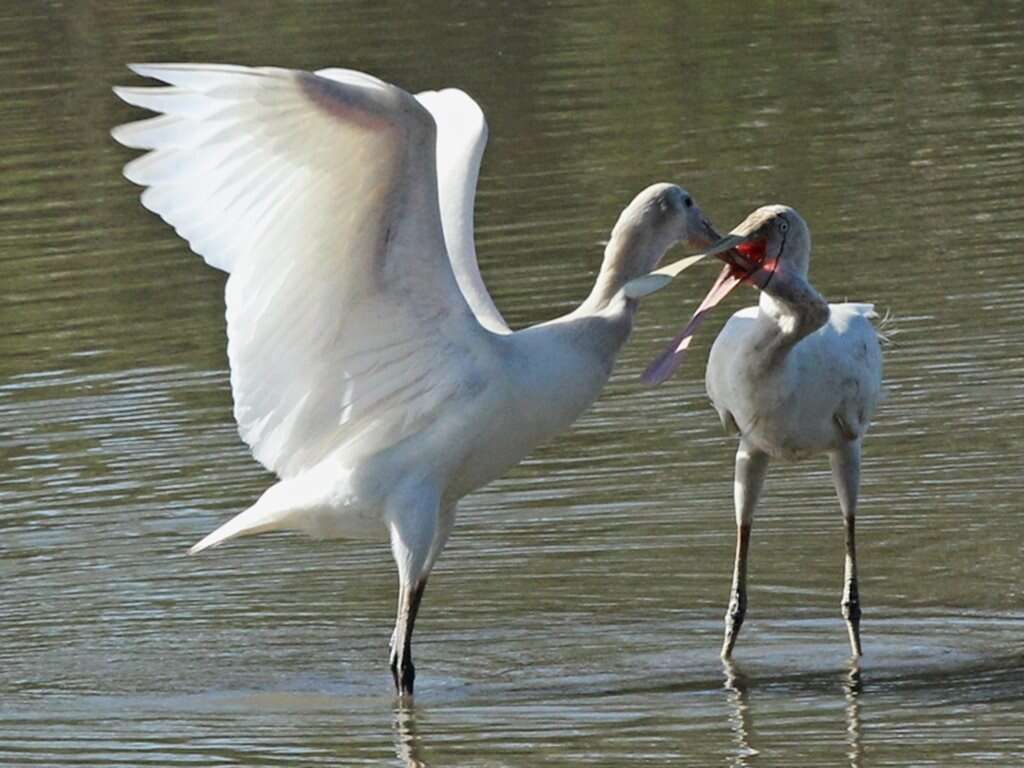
[{"x": 753, "y": 250}]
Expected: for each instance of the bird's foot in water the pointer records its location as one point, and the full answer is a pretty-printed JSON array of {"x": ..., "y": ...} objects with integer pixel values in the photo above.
[
  {"x": 403, "y": 673},
  {"x": 733, "y": 622},
  {"x": 851, "y": 612}
]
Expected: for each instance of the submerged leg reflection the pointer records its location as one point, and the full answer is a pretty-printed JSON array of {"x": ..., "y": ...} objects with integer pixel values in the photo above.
[
  {"x": 852, "y": 689},
  {"x": 738, "y": 697},
  {"x": 407, "y": 741}
]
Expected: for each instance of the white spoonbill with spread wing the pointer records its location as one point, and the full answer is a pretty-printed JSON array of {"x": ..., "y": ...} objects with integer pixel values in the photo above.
[
  {"x": 792, "y": 377},
  {"x": 369, "y": 367}
]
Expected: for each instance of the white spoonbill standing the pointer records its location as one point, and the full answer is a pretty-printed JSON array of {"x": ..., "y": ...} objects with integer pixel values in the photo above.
[
  {"x": 369, "y": 367},
  {"x": 792, "y": 377}
]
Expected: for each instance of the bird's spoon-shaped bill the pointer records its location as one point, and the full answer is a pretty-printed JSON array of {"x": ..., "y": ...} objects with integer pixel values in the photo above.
[
  {"x": 647, "y": 284},
  {"x": 667, "y": 362},
  {"x": 654, "y": 281},
  {"x": 754, "y": 270}
]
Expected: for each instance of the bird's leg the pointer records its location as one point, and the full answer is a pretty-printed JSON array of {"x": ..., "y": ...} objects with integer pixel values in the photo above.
[
  {"x": 402, "y": 670},
  {"x": 737, "y": 609},
  {"x": 418, "y": 530},
  {"x": 846, "y": 476},
  {"x": 751, "y": 466}
]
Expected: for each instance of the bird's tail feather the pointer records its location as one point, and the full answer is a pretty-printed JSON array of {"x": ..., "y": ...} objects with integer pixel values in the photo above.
[
  {"x": 885, "y": 327},
  {"x": 256, "y": 519}
]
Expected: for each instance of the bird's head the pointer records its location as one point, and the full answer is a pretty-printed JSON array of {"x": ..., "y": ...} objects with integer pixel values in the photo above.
[
  {"x": 772, "y": 238},
  {"x": 658, "y": 218}
]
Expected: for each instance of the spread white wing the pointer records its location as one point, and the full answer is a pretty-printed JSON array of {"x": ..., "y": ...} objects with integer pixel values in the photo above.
[
  {"x": 461, "y": 138},
  {"x": 347, "y": 328}
]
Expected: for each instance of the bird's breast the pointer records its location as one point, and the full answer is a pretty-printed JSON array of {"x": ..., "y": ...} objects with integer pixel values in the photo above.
[
  {"x": 785, "y": 406},
  {"x": 543, "y": 389}
]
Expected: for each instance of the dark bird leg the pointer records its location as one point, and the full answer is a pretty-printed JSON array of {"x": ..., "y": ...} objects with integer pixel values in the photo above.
[
  {"x": 419, "y": 529},
  {"x": 751, "y": 466},
  {"x": 402, "y": 669},
  {"x": 846, "y": 476}
]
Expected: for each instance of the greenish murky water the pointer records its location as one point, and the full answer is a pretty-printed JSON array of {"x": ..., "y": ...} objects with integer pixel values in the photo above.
[{"x": 575, "y": 616}]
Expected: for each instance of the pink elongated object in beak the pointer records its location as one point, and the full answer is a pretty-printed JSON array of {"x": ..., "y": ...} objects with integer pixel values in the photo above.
[{"x": 753, "y": 251}]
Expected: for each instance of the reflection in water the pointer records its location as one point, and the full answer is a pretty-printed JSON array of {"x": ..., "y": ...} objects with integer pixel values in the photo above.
[
  {"x": 852, "y": 688},
  {"x": 407, "y": 742},
  {"x": 738, "y": 684},
  {"x": 738, "y": 687}
]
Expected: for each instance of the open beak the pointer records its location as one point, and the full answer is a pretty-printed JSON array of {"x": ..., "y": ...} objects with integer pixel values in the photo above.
[
  {"x": 744, "y": 257},
  {"x": 647, "y": 284}
]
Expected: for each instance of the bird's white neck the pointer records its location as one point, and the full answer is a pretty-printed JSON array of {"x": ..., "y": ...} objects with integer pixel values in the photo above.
[
  {"x": 628, "y": 254},
  {"x": 791, "y": 303}
]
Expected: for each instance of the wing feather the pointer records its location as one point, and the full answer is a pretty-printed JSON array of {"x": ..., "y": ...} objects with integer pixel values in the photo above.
[
  {"x": 461, "y": 139},
  {"x": 318, "y": 194}
]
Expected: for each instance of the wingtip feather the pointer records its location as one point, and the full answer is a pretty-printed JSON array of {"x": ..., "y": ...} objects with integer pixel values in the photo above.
[
  {"x": 117, "y": 133},
  {"x": 153, "y": 70}
]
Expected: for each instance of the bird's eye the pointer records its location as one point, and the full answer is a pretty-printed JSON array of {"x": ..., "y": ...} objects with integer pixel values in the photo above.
[
  {"x": 783, "y": 225},
  {"x": 688, "y": 202}
]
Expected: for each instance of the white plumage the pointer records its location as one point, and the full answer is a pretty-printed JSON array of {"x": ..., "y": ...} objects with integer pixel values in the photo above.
[
  {"x": 369, "y": 366},
  {"x": 792, "y": 377},
  {"x": 812, "y": 399}
]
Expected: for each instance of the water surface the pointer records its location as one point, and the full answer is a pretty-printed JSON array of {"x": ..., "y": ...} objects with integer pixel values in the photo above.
[{"x": 576, "y": 614}]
